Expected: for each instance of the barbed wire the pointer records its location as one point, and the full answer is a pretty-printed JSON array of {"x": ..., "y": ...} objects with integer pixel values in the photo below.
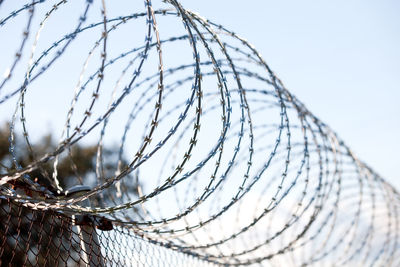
[{"x": 225, "y": 164}]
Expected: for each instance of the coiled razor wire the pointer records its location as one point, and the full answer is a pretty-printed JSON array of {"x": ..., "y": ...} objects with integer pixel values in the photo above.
[{"x": 225, "y": 165}]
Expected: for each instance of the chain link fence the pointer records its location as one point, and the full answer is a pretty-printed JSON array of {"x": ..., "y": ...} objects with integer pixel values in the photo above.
[{"x": 48, "y": 238}]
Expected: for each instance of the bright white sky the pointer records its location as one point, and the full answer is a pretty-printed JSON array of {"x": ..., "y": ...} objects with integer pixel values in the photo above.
[{"x": 341, "y": 58}]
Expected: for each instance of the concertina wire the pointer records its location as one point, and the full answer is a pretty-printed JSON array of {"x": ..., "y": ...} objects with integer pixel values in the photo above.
[{"x": 224, "y": 163}]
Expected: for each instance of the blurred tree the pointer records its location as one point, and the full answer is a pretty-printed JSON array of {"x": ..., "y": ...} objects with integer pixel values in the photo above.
[{"x": 29, "y": 237}]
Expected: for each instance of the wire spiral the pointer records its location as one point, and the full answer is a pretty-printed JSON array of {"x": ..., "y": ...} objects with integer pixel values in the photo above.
[{"x": 225, "y": 164}]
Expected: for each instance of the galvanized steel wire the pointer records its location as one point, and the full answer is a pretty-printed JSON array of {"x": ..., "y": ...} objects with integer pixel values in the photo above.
[{"x": 230, "y": 168}]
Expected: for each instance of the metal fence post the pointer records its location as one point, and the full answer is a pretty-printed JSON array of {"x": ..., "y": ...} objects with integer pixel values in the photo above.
[{"x": 90, "y": 245}]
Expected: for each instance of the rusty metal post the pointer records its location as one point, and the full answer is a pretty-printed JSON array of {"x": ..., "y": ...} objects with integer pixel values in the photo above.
[{"x": 91, "y": 249}]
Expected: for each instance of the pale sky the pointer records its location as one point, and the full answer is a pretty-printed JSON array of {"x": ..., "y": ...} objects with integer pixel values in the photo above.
[{"x": 341, "y": 58}]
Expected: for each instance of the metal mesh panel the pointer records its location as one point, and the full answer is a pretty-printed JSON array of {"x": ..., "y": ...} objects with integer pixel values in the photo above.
[
  {"x": 31, "y": 238},
  {"x": 46, "y": 238}
]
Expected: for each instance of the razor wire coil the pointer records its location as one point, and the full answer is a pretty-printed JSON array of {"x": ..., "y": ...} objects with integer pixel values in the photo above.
[{"x": 226, "y": 166}]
